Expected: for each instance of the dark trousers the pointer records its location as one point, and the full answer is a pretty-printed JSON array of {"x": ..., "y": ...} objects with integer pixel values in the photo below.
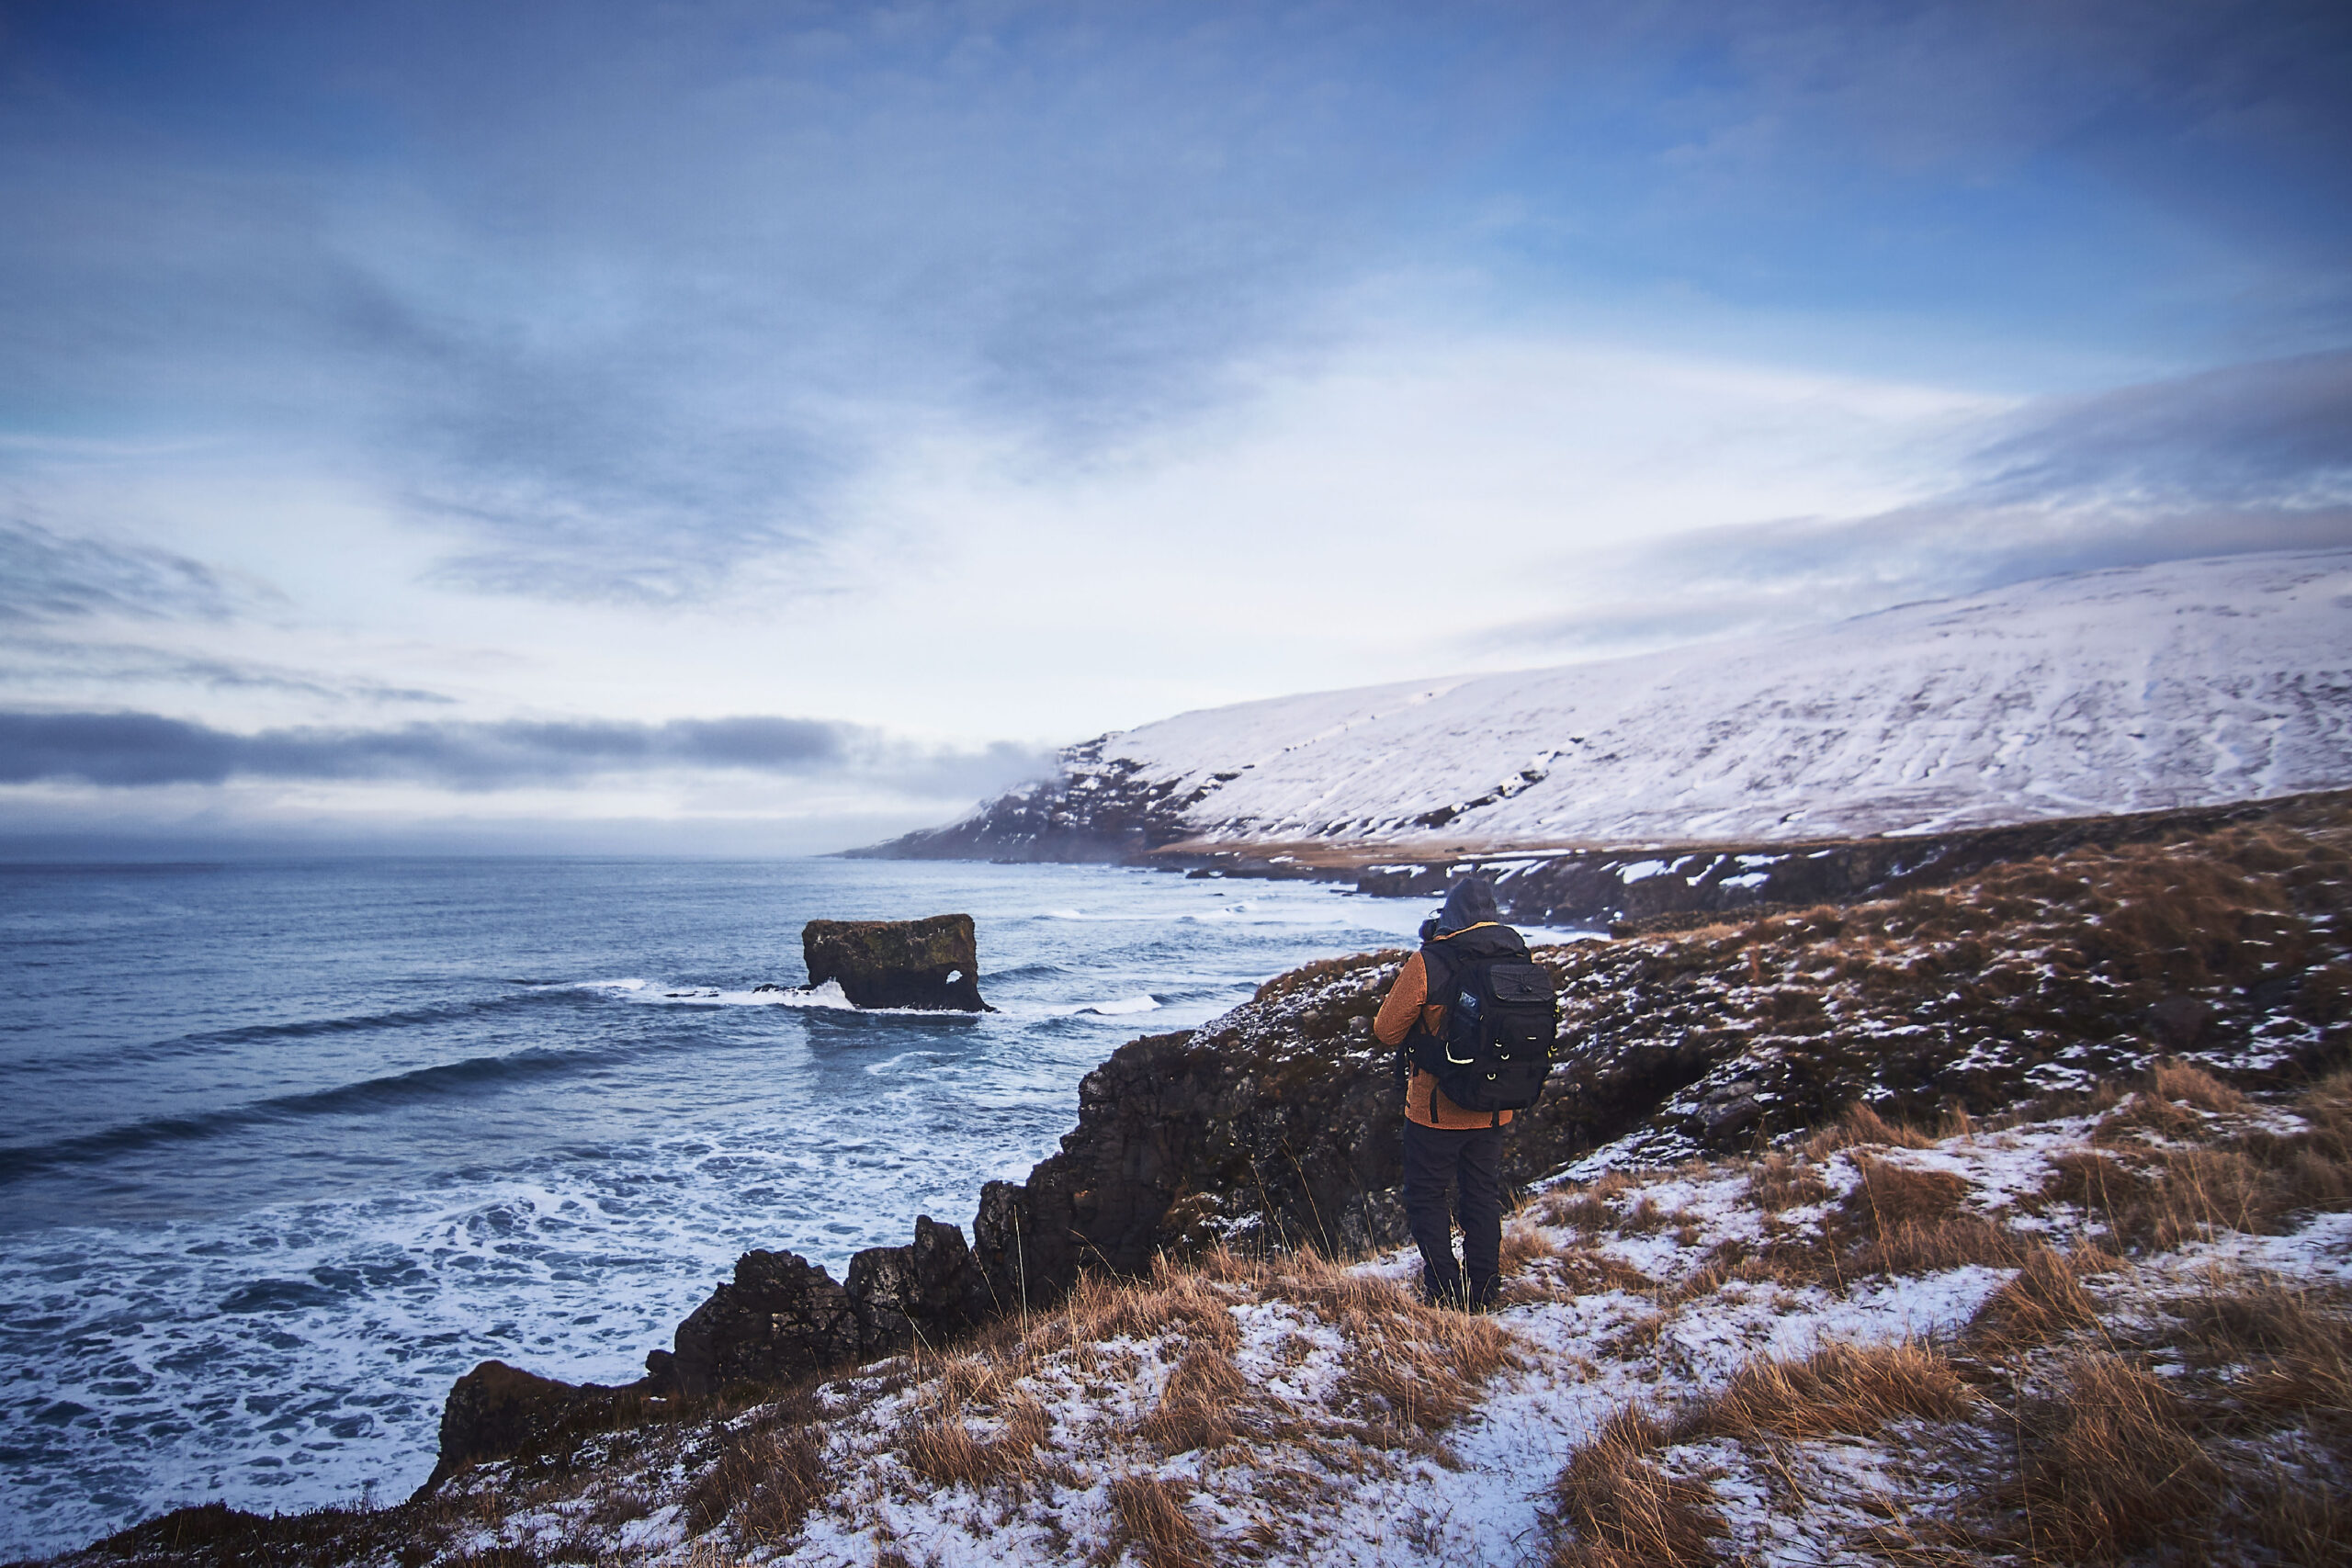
[{"x": 1437, "y": 1160}]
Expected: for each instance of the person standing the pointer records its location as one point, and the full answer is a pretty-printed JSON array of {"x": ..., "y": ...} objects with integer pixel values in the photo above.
[{"x": 1447, "y": 1147}]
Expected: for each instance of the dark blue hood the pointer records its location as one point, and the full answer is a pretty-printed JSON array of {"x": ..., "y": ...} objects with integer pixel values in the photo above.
[{"x": 1468, "y": 902}]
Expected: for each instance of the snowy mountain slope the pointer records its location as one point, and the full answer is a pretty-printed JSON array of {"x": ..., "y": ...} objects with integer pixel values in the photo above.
[{"x": 2183, "y": 683}]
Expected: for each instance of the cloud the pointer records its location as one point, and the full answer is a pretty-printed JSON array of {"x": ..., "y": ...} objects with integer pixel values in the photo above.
[
  {"x": 135, "y": 750},
  {"x": 629, "y": 304},
  {"x": 47, "y": 576},
  {"x": 2249, "y": 459},
  {"x": 50, "y": 662}
]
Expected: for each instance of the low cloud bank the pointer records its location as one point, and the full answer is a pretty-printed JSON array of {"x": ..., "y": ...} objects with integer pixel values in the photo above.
[{"x": 134, "y": 750}]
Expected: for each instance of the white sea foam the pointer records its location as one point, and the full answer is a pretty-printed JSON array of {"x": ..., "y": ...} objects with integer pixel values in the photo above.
[
  {"x": 880, "y": 1068},
  {"x": 1119, "y": 1006}
]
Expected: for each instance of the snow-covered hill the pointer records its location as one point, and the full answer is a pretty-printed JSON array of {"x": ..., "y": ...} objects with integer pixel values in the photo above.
[{"x": 2178, "y": 684}]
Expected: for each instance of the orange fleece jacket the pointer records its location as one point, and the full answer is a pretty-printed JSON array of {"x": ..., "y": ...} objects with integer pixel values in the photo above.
[{"x": 1408, "y": 1000}]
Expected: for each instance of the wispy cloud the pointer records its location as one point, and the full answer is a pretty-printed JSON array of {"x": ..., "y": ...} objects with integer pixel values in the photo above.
[
  {"x": 48, "y": 576},
  {"x": 2249, "y": 459},
  {"x": 49, "y": 661},
  {"x": 134, "y": 750}
]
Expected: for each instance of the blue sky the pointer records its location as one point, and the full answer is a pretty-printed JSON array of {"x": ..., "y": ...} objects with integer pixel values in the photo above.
[{"x": 421, "y": 424}]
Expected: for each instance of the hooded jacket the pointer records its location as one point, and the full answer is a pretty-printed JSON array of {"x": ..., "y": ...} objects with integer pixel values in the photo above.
[{"x": 1467, "y": 927}]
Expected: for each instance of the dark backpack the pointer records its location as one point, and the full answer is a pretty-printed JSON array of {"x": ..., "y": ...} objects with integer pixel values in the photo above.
[{"x": 1501, "y": 1019}]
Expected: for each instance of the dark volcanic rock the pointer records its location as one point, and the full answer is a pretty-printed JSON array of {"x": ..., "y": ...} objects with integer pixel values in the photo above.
[
  {"x": 780, "y": 1319},
  {"x": 496, "y": 1409},
  {"x": 933, "y": 963},
  {"x": 925, "y": 1293}
]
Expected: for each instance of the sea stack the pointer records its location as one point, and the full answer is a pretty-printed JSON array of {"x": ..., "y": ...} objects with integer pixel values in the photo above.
[{"x": 933, "y": 963}]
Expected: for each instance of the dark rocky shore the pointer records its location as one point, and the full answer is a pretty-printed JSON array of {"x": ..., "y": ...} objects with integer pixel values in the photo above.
[
  {"x": 2226, "y": 941},
  {"x": 1276, "y": 1126}
]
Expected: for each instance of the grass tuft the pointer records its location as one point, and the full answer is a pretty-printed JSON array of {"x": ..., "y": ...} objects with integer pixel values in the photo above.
[
  {"x": 1200, "y": 1404},
  {"x": 1781, "y": 1182},
  {"x": 1854, "y": 1389},
  {"x": 764, "y": 1481},
  {"x": 1624, "y": 1511},
  {"x": 1151, "y": 1517},
  {"x": 1860, "y": 1126},
  {"x": 2110, "y": 1462},
  {"x": 2043, "y": 1301}
]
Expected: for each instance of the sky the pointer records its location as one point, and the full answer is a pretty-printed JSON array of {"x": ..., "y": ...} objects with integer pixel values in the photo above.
[{"x": 761, "y": 428}]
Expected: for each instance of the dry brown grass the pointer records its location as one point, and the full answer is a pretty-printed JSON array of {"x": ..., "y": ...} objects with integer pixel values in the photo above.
[
  {"x": 767, "y": 1478},
  {"x": 1584, "y": 1208},
  {"x": 2171, "y": 1104},
  {"x": 2186, "y": 1082},
  {"x": 1200, "y": 1405},
  {"x": 2044, "y": 1301},
  {"x": 1412, "y": 1369},
  {"x": 1888, "y": 1194},
  {"x": 1931, "y": 1247},
  {"x": 2159, "y": 1201},
  {"x": 940, "y": 1445},
  {"x": 1151, "y": 1517},
  {"x": 2285, "y": 1353},
  {"x": 1902, "y": 1219},
  {"x": 2102, "y": 1184},
  {"x": 2110, "y": 1463},
  {"x": 2249, "y": 1447},
  {"x": 1624, "y": 1511},
  {"x": 1173, "y": 1300},
  {"x": 1525, "y": 1243},
  {"x": 1620, "y": 1509},
  {"x": 2308, "y": 1524},
  {"x": 1859, "y": 1127},
  {"x": 1781, "y": 1182},
  {"x": 1854, "y": 1389},
  {"x": 2144, "y": 1115}
]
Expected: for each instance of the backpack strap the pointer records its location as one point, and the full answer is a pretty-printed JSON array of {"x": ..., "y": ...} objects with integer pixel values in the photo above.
[{"x": 1438, "y": 974}]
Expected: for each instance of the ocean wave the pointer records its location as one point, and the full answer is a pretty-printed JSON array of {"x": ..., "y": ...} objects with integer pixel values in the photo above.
[
  {"x": 311, "y": 1028},
  {"x": 439, "y": 1081},
  {"x": 1119, "y": 1006}
]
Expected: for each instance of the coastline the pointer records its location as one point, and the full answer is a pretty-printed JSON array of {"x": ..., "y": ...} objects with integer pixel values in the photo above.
[{"x": 2027, "y": 994}]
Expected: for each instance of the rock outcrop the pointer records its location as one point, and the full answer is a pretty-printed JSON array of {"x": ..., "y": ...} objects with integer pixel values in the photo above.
[
  {"x": 782, "y": 1317},
  {"x": 924, "y": 1293},
  {"x": 1091, "y": 812},
  {"x": 933, "y": 963},
  {"x": 496, "y": 1409},
  {"x": 779, "y": 1319}
]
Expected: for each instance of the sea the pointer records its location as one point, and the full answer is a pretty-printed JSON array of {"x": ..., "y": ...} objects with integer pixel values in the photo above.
[{"x": 286, "y": 1148}]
